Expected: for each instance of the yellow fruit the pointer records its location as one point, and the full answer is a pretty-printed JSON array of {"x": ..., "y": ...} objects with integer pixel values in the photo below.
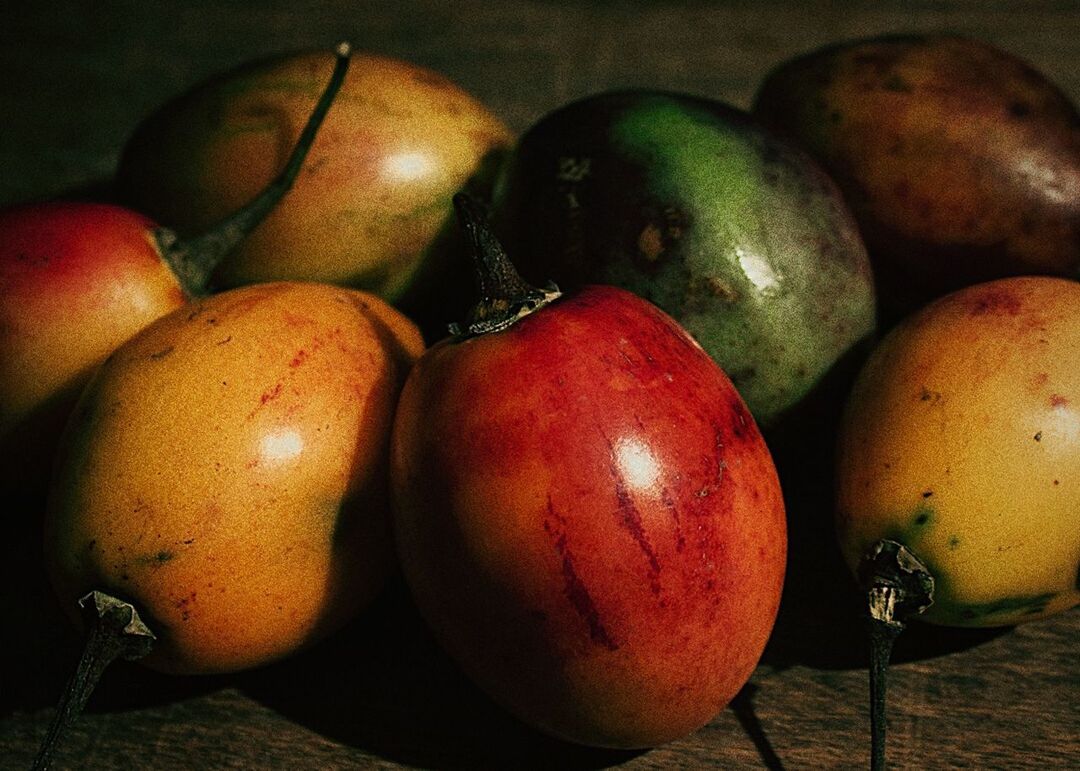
[
  {"x": 226, "y": 470},
  {"x": 962, "y": 442}
]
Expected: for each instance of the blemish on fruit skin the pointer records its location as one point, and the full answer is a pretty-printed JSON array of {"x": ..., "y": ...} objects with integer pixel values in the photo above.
[
  {"x": 1028, "y": 605},
  {"x": 996, "y": 301},
  {"x": 669, "y": 504},
  {"x": 156, "y": 559},
  {"x": 650, "y": 243},
  {"x": 926, "y": 395},
  {"x": 923, "y": 516},
  {"x": 183, "y": 605},
  {"x": 954, "y": 541},
  {"x": 1038, "y": 436},
  {"x": 630, "y": 519},
  {"x": 575, "y": 589},
  {"x": 740, "y": 419},
  {"x": 1057, "y": 400},
  {"x": 271, "y": 393},
  {"x": 294, "y": 320},
  {"x": 156, "y": 355}
]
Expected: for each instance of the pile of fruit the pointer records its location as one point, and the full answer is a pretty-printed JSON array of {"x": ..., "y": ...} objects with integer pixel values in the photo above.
[{"x": 240, "y": 425}]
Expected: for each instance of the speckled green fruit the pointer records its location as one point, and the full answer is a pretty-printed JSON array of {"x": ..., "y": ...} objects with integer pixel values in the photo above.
[{"x": 690, "y": 204}]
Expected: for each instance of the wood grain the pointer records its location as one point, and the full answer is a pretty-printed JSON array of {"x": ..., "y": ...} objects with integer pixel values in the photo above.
[{"x": 381, "y": 694}]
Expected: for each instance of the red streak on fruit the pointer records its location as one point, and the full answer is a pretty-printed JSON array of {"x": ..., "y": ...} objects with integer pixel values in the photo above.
[
  {"x": 270, "y": 393},
  {"x": 299, "y": 358},
  {"x": 576, "y": 591},
  {"x": 630, "y": 518}
]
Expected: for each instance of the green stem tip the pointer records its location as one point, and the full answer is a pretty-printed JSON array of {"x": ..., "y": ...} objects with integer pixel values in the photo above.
[
  {"x": 115, "y": 631},
  {"x": 504, "y": 296},
  {"x": 898, "y": 586},
  {"x": 194, "y": 260}
]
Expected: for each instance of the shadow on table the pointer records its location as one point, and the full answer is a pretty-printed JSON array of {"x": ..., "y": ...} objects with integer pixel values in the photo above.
[
  {"x": 742, "y": 706},
  {"x": 383, "y": 685}
]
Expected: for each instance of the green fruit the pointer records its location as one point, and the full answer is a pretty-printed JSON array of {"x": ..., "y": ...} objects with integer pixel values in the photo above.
[{"x": 689, "y": 204}]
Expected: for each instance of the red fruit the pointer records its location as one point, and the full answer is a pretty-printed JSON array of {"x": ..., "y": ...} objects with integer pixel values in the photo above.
[
  {"x": 76, "y": 281},
  {"x": 588, "y": 518}
]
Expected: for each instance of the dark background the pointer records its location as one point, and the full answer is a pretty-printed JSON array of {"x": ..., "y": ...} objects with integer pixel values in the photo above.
[{"x": 77, "y": 79}]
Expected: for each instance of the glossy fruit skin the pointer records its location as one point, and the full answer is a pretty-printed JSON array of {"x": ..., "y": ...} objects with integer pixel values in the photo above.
[
  {"x": 76, "y": 281},
  {"x": 962, "y": 441},
  {"x": 225, "y": 472},
  {"x": 960, "y": 162},
  {"x": 376, "y": 187},
  {"x": 688, "y": 203},
  {"x": 589, "y": 519}
]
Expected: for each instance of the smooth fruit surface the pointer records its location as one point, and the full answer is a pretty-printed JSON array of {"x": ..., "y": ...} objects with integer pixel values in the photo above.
[
  {"x": 76, "y": 281},
  {"x": 376, "y": 187},
  {"x": 690, "y": 204},
  {"x": 960, "y": 162},
  {"x": 962, "y": 441},
  {"x": 589, "y": 519},
  {"x": 225, "y": 471}
]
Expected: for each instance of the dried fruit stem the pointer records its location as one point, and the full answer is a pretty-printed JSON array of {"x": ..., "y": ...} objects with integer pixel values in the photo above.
[
  {"x": 898, "y": 586},
  {"x": 505, "y": 296},
  {"x": 116, "y": 631},
  {"x": 194, "y": 260}
]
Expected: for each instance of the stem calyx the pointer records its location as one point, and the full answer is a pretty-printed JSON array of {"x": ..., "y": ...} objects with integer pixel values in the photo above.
[
  {"x": 115, "y": 631},
  {"x": 898, "y": 586},
  {"x": 505, "y": 297}
]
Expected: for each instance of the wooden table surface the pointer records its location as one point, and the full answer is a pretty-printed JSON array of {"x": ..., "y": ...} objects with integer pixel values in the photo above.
[{"x": 380, "y": 694}]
